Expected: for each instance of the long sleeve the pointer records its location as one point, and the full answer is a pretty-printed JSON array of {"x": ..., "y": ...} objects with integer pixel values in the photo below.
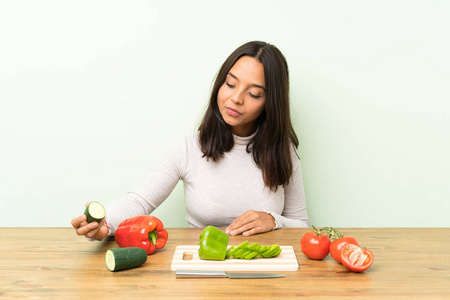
[
  {"x": 294, "y": 212},
  {"x": 152, "y": 190},
  {"x": 216, "y": 192}
]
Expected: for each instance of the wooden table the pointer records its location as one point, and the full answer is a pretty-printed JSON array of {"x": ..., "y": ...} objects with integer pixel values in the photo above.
[{"x": 55, "y": 263}]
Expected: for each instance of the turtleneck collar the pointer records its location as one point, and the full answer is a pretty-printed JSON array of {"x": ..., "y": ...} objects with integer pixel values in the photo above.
[{"x": 240, "y": 141}]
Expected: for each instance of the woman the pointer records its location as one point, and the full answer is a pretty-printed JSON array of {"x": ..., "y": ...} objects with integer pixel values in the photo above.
[{"x": 241, "y": 170}]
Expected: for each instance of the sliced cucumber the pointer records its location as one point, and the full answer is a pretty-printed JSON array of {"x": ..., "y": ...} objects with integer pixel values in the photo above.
[
  {"x": 94, "y": 212},
  {"x": 125, "y": 258}
]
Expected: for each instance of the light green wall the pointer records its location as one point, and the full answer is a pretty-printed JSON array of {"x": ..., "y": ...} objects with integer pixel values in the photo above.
[{"x": 92, "y": 92}]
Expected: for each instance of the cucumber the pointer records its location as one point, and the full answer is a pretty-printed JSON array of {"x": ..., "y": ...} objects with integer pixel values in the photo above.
[
  {"x": 94, "y": 212},
  {"x": 125, "y": 258}
]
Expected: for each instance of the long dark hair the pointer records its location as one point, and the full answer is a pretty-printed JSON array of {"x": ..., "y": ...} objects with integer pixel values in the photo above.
[{"x": 272, "y": 144}]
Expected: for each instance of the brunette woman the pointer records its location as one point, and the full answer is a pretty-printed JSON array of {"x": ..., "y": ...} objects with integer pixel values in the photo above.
[{"x": 240, "y": 170}]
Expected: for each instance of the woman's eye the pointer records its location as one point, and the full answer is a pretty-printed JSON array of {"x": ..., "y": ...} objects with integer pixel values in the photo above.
[
  {"x": 254, "y": 96},
  {"x": 229, "y": 85}
]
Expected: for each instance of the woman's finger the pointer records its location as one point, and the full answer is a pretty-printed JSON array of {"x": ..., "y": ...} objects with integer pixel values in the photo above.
[
  {"x": 84, "y": 230},
  {"x": 245, "y": 218},
  {"x": 77, "y": 222},
  {"x": 254, "y": 230},
  {"x": 251, "y": 222},
  {"x": 101, "y": 232},
  {"x": 93, "y": 232}
]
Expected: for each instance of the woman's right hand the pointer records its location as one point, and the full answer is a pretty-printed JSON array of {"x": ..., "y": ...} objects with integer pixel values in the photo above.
[{"x": 93, "y": 230}]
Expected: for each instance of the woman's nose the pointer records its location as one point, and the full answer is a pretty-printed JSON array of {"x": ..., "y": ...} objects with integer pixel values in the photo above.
[{"x": 238, "y": 97}]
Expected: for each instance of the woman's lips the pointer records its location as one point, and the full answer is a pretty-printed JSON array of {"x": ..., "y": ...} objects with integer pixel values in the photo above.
[{"x": 232, "y": 112}]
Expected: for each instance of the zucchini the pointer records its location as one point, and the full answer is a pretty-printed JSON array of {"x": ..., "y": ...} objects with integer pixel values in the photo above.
[
  {"x": 94, "y": 212},
  {"x": 125, "y": 258}
]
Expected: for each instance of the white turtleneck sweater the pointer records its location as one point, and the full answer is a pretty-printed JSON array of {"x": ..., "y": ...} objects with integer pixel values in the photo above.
[{"x": 216, "y": 193}]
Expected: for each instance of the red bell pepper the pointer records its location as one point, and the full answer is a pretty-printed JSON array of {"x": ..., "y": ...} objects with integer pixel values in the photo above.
[{"x": 145, "y": 232}]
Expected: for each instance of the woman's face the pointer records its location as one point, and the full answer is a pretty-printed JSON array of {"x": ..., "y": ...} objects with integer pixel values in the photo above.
[{"x": 241, "y": 98}]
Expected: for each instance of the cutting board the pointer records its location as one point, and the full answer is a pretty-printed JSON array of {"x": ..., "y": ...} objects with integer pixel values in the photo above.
[{"x": 186, "y": 258}]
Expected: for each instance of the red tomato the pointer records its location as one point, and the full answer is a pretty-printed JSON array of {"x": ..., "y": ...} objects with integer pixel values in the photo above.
[
  {"x": 315, "y": 245},
  {"x": 356, "y": 259},
  {"x": 336, "y": 246}
]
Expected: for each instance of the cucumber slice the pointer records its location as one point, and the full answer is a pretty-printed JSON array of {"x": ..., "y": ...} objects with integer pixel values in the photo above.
[
  {"x": 125, "y": 258},
  {"x": 94, "y": 212}
]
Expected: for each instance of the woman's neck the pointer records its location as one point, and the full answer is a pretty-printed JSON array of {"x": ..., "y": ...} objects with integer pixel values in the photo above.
[{"x": 243, "y": 131}]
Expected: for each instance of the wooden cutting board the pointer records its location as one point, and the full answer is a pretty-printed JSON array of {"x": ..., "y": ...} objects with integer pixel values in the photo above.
[{"x": 186, "y": 258}]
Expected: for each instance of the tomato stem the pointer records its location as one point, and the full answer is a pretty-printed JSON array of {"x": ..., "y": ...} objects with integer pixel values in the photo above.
[{"x": 332, "y": 233}]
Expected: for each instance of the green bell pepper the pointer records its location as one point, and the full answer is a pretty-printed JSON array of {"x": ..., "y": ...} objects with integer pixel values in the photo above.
[
  {"x": 247, "y": 251},
  {"x": 213, "y": 244}
]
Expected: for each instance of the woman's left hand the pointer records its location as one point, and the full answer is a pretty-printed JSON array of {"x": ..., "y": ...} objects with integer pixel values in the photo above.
[{"x": 251, "y": 222}]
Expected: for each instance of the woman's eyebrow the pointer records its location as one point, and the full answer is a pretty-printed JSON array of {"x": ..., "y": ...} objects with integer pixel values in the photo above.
[{"x": 253, "y": 84}]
